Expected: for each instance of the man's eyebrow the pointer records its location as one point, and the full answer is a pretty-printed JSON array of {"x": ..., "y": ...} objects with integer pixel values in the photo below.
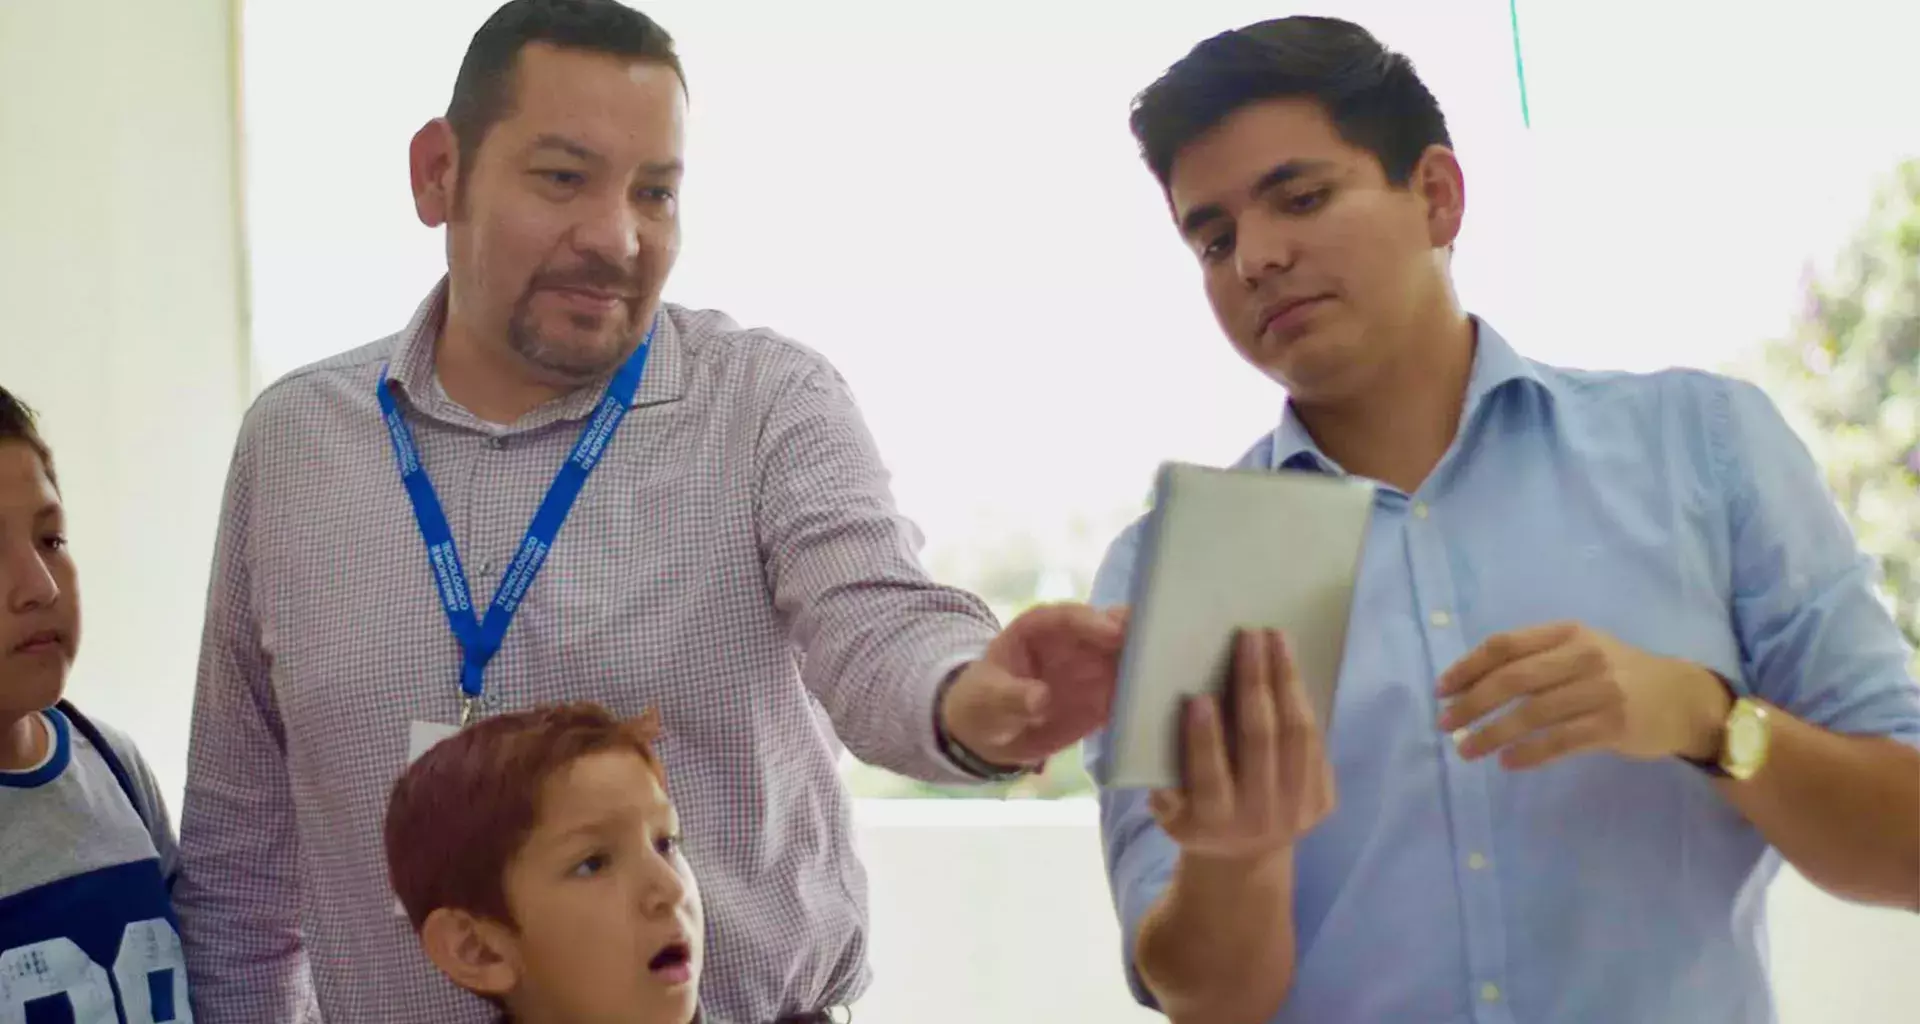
[
  {"x": 1200, "y": 216},
  {"x": 560, "y": 143},
  {"x": 565, "y": 145}
]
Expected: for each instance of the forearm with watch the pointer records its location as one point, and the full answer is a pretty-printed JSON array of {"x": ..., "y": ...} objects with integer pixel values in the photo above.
[
  {"x": 1843, "y": 810},
  {"x": 956, "y": 751},
  {"x": 1217, "y": 947}
]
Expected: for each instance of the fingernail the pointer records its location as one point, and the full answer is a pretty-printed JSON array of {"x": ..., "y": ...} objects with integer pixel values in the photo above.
[{"x": 1459, "y": 736}]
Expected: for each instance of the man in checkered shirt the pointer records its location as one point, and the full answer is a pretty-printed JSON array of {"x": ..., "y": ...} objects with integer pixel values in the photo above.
[{"x": 734, "y": 559}]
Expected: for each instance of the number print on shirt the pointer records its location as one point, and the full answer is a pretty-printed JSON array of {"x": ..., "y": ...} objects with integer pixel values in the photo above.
[
  {"x": 54, "y": 967},
  {"x": 57, "y": 967}
]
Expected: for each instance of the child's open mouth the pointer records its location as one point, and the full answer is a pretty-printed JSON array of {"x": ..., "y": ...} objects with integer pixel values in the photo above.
[{"x": 673, "y": 964}]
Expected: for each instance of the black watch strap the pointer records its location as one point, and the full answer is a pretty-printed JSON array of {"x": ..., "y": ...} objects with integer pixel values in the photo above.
[
  {"x": 975, "y": 765},
  {"x": 968, "y": 761},
  {"x": 1712, "y": 766}
]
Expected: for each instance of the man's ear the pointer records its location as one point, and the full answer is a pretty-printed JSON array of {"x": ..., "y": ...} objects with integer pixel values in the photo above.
[
  {"x": 1443, "y": 186},
  {"x": 480, "y": 956},
  {"x": 433, "y": 163}
]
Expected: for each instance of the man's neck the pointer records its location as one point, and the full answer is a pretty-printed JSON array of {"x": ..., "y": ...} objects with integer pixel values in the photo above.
[
  {"x": 23, "y": 743},
  {"x": 1397, "y": 428},
  {"x": 486, "y": 381}
]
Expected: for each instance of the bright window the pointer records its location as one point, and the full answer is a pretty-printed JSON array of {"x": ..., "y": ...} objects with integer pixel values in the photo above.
[
  {"x": 948, "y": 206},
  {"x": 946, "y": 202}
]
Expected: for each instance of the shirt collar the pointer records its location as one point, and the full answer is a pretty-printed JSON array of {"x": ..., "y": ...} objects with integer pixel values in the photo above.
[
  {"x": 411, "y": 370},
  {"x": 59, "y": 752},
  {"x": 1495, "y": 365}
]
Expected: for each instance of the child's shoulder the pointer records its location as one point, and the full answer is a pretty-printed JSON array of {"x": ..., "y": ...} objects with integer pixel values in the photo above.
[
  {"x": 117, "y": 749},
  {"x": 122, "y": 758},
  {"x": 99, "y": 731},
  {"x": 81, "y": 870},
  {"x": 74, "y": 835},
  {"x": 91, "y": 769}
]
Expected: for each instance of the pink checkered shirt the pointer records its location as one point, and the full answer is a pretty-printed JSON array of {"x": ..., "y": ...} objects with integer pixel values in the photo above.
[{"x": 736, "y": 560}]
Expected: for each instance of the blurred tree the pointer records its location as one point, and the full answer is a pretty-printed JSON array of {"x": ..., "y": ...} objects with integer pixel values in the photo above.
[{"x": 1847, "y": 374}]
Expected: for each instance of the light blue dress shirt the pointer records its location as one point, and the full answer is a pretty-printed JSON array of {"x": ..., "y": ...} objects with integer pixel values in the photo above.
[{"x": 1676, "y": 511}]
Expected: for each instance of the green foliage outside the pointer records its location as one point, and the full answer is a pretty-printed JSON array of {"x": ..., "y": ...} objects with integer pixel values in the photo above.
[{"x": 1847, "y": 374}]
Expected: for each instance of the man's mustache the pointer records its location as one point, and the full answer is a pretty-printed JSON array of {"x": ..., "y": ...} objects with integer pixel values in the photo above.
[{"x": 594, "y": 273}]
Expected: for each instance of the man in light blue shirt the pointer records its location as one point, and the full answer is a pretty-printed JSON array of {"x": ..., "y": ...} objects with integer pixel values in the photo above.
[{"x": 1614, "y": 653}]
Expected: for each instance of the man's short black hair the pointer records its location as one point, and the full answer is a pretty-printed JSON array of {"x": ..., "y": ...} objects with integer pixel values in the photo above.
[
  {"x": 17, "y": 424},
  {"x": 483, "y": 90},
  {"x": 1372, "y": 94}
]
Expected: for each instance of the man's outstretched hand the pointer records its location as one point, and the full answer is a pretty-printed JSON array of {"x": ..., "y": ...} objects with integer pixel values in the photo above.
[{"x": 1044, "y": 683}]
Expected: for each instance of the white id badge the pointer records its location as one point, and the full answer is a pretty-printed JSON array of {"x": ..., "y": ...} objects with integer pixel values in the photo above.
[{"x": 421, "y": 736}]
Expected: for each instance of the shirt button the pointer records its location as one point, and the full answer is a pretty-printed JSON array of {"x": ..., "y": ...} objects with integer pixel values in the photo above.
[
  {"x": 1477, "y": 862},
  {"x": 496, "y": 443},
  {"x": 1419, "y": 510},
  {"x": 1441, "y": 619},
  {"x": 1490, "y": 992}
]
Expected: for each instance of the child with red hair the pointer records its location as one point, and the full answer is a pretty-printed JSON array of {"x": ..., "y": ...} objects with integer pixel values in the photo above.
[{"x": 538, "y": 858}]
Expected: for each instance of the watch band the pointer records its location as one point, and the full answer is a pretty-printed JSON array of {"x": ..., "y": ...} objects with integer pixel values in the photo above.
[
  {"x": 968, "y": 761},
  {"x": 1712, "y": 767},
  {"x": 975, "y": 765}
]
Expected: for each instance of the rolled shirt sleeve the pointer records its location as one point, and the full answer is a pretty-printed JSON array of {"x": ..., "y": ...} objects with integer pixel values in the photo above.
[{"x": 1815, "y": 638}]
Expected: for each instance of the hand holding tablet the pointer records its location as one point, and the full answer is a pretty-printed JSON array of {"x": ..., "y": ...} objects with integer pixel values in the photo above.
[
  {"x": 1225, "y": 551},
  {"x": 1254, "y": 787}
]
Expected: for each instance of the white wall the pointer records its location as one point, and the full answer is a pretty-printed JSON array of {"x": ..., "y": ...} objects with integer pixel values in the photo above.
[
  {"x": 120, "y": 319},
  {"x": 920, "y": 196},
  {"x": 999, "y": 911}
]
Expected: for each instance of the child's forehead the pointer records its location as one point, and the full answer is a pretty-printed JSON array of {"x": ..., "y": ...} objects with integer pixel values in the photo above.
[{"x": 605, "y": 783}]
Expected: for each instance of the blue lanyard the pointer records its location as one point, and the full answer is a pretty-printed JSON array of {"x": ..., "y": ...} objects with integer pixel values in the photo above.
[{"x": 480, "y": 640}]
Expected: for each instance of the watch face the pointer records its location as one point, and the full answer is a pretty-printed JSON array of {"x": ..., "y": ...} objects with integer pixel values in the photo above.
[
  {"x": 1746, "y": 738},
  {"x": 1743, "y": 740}
]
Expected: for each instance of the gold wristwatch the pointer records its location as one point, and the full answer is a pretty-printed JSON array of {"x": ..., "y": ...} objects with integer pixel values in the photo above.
[{"x": 1745, "y": 738}]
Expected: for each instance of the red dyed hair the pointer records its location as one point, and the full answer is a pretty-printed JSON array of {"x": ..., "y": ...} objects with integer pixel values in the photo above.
[{"x": 461, "y": 812}]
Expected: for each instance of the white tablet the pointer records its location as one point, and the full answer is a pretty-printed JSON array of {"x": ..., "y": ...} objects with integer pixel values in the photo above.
[{"x": 1224, "y": 550}]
